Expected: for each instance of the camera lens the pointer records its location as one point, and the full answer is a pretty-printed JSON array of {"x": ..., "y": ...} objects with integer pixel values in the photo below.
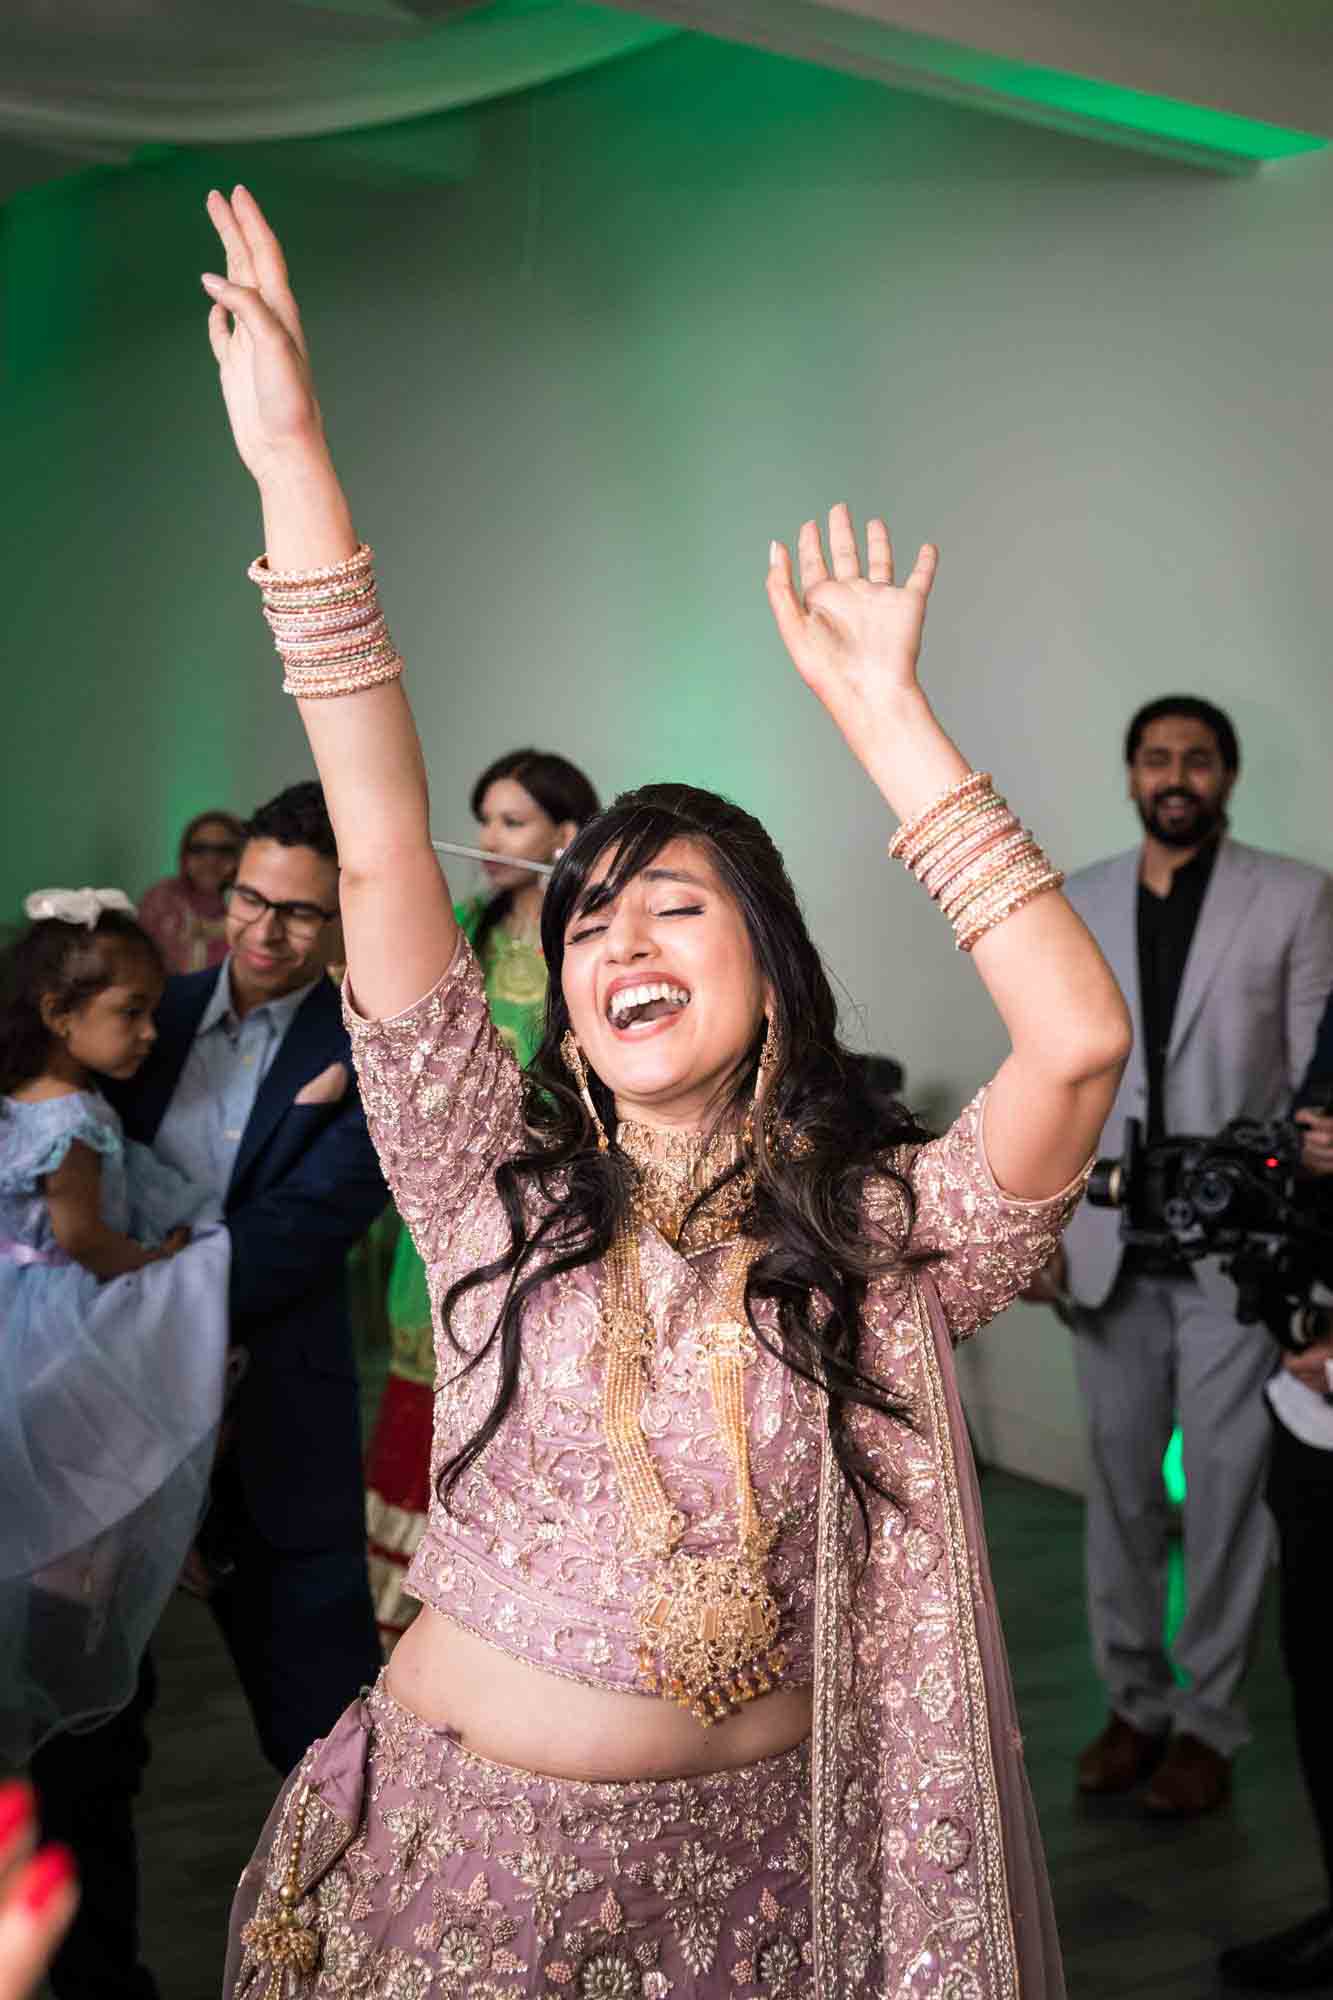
[{"x": 1213, "y": 1192}]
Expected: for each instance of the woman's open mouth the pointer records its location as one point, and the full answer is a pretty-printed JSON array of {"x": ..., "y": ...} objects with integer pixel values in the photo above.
[{"x": 637, "y": 1010}]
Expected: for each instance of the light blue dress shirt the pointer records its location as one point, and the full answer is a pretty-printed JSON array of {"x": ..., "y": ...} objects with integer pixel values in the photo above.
[{"x": 219, "y": 1082}]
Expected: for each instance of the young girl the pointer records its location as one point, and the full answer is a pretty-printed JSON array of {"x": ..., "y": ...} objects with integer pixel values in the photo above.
[{"x": 112, "y": 1331}]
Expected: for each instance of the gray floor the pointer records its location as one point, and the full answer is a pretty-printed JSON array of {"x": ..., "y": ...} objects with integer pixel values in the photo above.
[{"x": 1143, "y": 1908}]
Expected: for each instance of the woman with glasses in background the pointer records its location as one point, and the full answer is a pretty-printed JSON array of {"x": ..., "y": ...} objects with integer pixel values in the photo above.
[{"x": 183, "y": 913}]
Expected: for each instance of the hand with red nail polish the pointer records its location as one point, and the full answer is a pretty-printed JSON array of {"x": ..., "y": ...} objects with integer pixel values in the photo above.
[
  {"x": 16, "y": 1812},
  {"x": 45, "y": 1879},
  {"x": 38, "y": 1894}
]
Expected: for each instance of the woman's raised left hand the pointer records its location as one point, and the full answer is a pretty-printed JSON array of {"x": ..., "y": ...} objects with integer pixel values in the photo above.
[{"x": 856, "y": 637}]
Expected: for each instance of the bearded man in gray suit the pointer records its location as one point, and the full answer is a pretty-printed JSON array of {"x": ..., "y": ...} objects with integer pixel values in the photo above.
[{"x": 1225, "y": 954}]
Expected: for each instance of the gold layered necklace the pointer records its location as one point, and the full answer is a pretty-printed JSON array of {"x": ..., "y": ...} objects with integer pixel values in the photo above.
[{"x": 708, "y": 1625}]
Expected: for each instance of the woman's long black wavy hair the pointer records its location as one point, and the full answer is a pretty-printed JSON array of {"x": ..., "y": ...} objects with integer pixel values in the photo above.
[{"x": 826, "y": 1127}]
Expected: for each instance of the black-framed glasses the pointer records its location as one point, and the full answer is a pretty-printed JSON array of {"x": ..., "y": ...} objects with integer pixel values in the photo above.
[
  {"x": 299, "y": 920},
  {"x": 226, "y": 848}
]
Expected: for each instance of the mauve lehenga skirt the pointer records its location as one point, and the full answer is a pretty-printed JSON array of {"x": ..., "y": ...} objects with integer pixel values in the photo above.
[{"x": 396, "y": 1865}]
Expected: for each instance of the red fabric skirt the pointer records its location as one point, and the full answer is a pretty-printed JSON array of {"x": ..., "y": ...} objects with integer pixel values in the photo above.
[{"x": 397, "y": 1497}]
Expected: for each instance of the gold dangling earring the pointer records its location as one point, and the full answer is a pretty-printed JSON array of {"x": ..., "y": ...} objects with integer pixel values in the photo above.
[
  {"x": 578, "y": 1069},
  {"x": 763, "y": 1077}
]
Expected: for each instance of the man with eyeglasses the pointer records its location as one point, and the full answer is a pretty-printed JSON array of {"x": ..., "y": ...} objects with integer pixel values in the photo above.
[{"x": 250, "y": 1090}]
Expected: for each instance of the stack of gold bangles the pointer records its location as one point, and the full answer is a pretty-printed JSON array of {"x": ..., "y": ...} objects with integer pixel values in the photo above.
[
  {"x": 327, "y": 626},
  {"x": 978, "y": 863}
]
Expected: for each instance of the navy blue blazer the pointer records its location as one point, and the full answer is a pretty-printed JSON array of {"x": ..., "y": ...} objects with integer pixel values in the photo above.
[{"x": 306, "y": 1185}]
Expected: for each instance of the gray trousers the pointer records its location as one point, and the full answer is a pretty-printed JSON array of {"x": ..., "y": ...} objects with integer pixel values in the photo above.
[{"x": 1158, "y": 1350}]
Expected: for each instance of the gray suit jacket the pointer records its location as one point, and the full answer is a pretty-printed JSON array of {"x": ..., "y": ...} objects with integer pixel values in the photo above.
[{"x": 1259, "y": 971}]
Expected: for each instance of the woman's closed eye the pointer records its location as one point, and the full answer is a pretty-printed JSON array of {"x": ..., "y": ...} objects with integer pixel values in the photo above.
[{"x": 592, "y": 930}]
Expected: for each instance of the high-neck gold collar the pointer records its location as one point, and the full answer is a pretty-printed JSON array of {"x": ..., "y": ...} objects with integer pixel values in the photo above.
[{"x": 673, "y": 1168}]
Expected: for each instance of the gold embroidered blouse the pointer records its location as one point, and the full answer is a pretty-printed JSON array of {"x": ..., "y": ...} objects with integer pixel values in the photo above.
[{"x": 532, "y": 1553}]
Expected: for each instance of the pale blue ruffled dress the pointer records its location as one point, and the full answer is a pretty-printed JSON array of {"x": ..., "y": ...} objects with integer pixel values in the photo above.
[{"x": 110, "y": 1402}]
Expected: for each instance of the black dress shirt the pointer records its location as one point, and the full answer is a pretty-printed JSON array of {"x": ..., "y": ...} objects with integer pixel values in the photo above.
[{"x": 1166, "y": 931}]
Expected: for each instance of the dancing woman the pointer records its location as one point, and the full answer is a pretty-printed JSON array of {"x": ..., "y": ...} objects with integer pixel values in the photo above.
[{"x": 708, "y": 1697}]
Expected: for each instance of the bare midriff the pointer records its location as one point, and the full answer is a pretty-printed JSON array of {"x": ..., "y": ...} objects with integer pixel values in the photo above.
[{"x": 502, "y": 1708}]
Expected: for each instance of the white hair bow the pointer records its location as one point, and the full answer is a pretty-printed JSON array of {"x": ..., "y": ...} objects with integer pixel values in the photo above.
[{"x": 76, "y": 906}]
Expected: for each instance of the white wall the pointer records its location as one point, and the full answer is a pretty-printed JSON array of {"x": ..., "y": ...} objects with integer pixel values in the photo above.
[{"x": 676, "y": 305}]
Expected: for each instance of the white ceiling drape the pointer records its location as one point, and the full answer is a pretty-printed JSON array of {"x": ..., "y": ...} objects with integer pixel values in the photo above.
[{"x": 83, "y": 81}]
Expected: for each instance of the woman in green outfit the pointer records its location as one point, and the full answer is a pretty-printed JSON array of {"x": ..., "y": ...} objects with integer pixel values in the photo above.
[{"x": 528, "y": 805}]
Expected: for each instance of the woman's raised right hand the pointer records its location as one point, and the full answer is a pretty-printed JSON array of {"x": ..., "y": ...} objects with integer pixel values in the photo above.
[{"x": 256, "y": 336}]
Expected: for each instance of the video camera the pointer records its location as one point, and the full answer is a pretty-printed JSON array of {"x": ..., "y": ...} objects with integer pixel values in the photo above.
[{"x": 1242, "y": 1196}]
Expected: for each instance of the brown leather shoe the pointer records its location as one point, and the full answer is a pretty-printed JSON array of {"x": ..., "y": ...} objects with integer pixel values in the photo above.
[
  {"x": 1120, "y": 1758},
  {"x": 1192, "y": 1778}
]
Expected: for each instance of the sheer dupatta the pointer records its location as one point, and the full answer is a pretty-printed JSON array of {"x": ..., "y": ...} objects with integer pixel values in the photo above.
[{"x": 929, "y": 1878}]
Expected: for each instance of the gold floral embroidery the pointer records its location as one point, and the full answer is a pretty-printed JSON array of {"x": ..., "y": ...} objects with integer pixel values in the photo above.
[
  {"x": 935, "y": 1691},
  {"x": 469, "y": 1933},
  {"x": 777, "y": 1953},
  {"x": 996, "y": 1938},
  {"x": 467, "y": 1880},
  {"x": 416, "y": 1835},
  {"x": 346, "y": 1960},
  {"x": 362, "y": 1878},
  {"x": 696, "y": 1883},
  {"x": 945, "y": 1843},
  {"x": 401, "y": 1976},
  {"x": 548, "y": 1881},
  {"x": 959, "y": 1984},
  {"x": 900, "y": 1692},
  {"x": 609, "y": 1959}
]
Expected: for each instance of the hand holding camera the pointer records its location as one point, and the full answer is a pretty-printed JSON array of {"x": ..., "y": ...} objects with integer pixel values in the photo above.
[{"x": 1317, "y": 1144}]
